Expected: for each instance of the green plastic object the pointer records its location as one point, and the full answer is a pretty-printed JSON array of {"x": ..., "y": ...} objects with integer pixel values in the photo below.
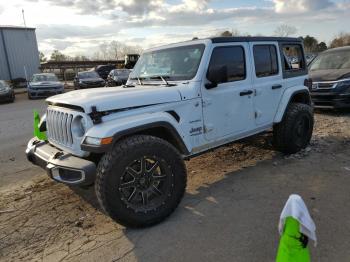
[
  {"x": 37, "y": 133},
  {"x": 290, "y": 248}
]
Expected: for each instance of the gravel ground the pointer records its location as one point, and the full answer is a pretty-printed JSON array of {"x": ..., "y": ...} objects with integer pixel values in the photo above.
[{"x": 229, "y": 213}]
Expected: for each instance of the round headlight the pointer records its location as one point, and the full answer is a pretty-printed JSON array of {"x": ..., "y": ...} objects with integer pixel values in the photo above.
[{"x": 79, "y": 126}]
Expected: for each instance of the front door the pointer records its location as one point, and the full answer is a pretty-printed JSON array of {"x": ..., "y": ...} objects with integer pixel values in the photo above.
[{"x": 228, "y": 108}]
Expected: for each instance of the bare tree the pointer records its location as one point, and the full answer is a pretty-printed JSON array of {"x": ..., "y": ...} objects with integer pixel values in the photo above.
[
  {"x": 115, "y": 50},
  {"x": 103, "y": 49},
  {"x": 343, "y": 39},
  {"x": 58, "y": 56},
  {"x": 285, "y": 30},
  {"x": 42, "y": 57},
  {"x": 233, "y": 32}
]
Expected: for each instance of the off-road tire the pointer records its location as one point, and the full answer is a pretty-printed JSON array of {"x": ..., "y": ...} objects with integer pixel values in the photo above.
[
  {"x": 114, "y": 164},
  {"x": 286, "y": 135}
]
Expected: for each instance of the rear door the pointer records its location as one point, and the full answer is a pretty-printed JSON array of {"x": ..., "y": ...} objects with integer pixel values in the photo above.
[{"x": 267, "y": 81}]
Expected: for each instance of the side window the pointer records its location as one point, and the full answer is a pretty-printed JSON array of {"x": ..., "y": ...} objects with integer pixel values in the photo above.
[
  {"x": 232, "y": 60},
  {"x": 265, "y": 59},
  {"x": 293, "y": 57}
]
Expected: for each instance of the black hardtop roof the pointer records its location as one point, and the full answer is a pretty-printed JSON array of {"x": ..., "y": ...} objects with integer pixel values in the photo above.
[{"x": 253, "y": 39}]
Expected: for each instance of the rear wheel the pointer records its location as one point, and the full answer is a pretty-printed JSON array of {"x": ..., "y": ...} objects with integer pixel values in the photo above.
[
  {"x": 141, "y": 181},
  {"x": 295, "y": 131}
]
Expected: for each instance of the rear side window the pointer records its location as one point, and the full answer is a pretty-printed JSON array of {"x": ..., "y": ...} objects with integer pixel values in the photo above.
[
  {"x": 293, "y": 57},
  {"x": 265, "y": 59},
  {"x": 231, "y": 57}
]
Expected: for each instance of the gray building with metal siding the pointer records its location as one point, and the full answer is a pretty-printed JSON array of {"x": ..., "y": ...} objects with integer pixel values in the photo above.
[{"x": 19, "y": 56}]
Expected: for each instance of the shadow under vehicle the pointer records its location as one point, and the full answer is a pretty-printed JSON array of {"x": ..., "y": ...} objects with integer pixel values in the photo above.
[
  {"x": 6, "y": 92},
  {"x": 330, "y": 73},
  {"x": 88, "y": 79},
  {"x": 44, "y": 85}
]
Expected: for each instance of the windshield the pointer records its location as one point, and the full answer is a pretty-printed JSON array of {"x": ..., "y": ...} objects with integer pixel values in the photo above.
[
  {"x": 179, "y": 63},
  {"x": 90, "y": 74},
  {"x": 331, "y": 60},
  {"x": 2, "y": 84},
  {"x": 121, "y": 72},
  {"x": 44, "y": 78}
]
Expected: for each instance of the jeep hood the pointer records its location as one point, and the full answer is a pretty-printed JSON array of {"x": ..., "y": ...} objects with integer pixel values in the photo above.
[{"x": 112, "y": 98}]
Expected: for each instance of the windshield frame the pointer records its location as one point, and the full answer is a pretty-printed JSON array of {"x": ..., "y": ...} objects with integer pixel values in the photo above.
[
  {"x": 136, "y": 74},
  {"x": 329, "y": 55}
]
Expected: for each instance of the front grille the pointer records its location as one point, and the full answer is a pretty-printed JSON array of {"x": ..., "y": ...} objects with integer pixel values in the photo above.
[
  {"x": 323, "y": 85},
  {"x": 59, "y": 127}
]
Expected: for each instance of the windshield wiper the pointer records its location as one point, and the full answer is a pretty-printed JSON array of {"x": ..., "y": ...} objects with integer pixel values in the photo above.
[
  {"x": 163, "y": 79},
  {"x": 139, "y": 80}
]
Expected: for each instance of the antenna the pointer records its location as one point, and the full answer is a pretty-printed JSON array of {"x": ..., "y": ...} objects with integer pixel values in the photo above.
[{"x": 24, "y": 20}]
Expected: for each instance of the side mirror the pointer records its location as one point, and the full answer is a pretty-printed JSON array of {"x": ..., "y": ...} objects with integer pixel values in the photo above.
[{"x": 216, "y": 75}]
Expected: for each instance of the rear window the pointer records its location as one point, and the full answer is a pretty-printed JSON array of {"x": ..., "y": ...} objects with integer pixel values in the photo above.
[{"x": 265, "y": 59}]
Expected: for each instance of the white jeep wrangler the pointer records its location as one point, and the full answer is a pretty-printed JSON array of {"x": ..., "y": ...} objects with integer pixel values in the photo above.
[{"x": 181, "y": 100}]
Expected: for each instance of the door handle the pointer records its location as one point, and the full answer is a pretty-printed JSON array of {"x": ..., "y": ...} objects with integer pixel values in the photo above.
[
  {"x": 246, "y": 93},
  {"x": 276, "y": 87}
]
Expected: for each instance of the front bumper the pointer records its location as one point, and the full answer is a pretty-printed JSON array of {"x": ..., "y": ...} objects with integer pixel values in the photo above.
[
  {"x": 45, "y": 92},
  {"x": 92, "y": 85},
  {"x": 330, "y": 100},
  {"x": 6, "y": 96},
  {"x": 59, "y": 165}
]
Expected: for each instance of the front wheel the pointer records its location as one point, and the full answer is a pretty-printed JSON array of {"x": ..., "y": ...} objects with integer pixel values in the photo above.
[
  {"x": 295, "y": 131},
  {"x": 13, "y": 98},
  {"x": 141, "y": 181}
]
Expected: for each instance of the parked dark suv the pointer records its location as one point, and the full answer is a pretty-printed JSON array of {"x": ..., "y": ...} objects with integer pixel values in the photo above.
[
  {"x": 104, "y": 70},
  {"x": 330, "y": 73},
  {"x": 118, "y": 77},
  {"x": 88, "y": 79}
]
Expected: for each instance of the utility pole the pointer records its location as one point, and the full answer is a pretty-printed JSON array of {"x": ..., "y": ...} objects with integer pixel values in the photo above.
[{"x": 24, "y": 20}]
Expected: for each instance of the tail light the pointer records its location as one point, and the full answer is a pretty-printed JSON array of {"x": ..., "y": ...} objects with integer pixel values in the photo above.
[{"x": 308, "y": 83}]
